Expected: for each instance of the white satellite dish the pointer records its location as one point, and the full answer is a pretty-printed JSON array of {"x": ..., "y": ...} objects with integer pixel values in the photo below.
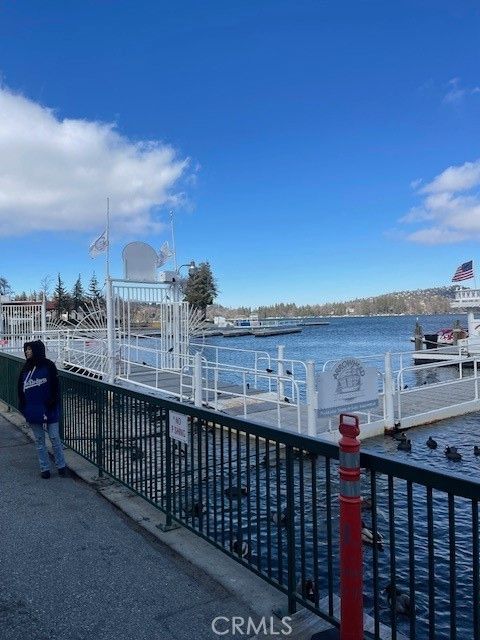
[{"x": 139, "y": 262}]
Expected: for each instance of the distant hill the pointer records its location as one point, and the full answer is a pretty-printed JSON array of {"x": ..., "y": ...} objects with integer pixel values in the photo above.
[{"x": 420, "y": 301}]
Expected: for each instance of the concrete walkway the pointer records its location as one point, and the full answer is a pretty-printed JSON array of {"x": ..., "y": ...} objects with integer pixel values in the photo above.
[{"x": 74, "y": 567}]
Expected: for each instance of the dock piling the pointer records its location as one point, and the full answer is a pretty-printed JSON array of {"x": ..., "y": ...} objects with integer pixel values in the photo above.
[{"x": 418, "y": 337}]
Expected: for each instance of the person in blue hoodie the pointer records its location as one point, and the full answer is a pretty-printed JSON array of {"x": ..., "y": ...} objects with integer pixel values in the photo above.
[{"x": 39, "y": 401}]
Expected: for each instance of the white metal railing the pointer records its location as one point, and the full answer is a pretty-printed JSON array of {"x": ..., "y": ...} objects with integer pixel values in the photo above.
[
  {"x": 469, "y": 383},
  {"x": 467, "y": 294},
  {"x": 217, "y": 379}
]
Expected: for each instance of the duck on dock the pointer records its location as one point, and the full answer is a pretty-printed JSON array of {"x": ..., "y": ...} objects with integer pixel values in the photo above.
[
  {"x": 369, "y": 538},
  {"x": 453, "y": 454},
  {"x": 405, "y": 445},
  {"x": 402, "y": 600},
  {"x": 431, "y": 443}
]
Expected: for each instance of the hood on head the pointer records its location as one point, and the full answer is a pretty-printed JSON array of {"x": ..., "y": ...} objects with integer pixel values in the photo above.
[{"x": 38, "y": 350}]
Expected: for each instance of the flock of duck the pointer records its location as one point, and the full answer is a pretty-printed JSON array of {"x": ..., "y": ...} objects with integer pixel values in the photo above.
[{"x": 452, "y": 453}]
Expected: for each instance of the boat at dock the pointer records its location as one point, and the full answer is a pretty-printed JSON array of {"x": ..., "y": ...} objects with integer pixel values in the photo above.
[{"x": 455, "y": 343}]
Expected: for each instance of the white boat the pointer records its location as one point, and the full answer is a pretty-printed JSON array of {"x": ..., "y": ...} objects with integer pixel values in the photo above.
[{"x": 450, "y": 343}]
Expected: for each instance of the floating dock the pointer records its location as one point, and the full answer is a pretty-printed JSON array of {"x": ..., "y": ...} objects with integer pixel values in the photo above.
[{"x": 274, "y": 331}]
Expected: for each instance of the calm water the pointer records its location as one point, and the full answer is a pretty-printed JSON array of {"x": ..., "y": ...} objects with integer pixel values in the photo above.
[
  {"x": 360, "y": 337},
  {"x": 345, "y": 336}
]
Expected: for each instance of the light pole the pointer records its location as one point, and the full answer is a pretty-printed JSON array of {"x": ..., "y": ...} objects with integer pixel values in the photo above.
[{"x": 179, "y": 281}]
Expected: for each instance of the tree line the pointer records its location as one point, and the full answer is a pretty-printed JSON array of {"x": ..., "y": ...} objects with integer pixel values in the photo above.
[
  {"x": 65, "y": 300},
  {"x": 422, "y": 301},
  {"x": 200, "y": 289}
]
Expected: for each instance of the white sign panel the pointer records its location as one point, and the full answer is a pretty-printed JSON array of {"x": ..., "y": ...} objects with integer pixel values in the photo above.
[
  {"x": 349, "y": 386},
  {"x": 178, "y": 426},
  {"x": 140, "y": 262}
]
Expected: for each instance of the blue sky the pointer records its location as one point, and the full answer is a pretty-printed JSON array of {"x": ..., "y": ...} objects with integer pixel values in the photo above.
[{"x": 312, "y": 151}]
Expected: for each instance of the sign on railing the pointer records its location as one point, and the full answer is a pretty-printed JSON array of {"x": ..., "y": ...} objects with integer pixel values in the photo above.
[
  {"x": 178, "y": 426},
  {"x": 349, "y": 386}
]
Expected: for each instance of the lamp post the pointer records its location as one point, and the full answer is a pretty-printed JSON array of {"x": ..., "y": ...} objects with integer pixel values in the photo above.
[
  {"x": 191, "y": 267},
  {"x": 179, "y": 281}
]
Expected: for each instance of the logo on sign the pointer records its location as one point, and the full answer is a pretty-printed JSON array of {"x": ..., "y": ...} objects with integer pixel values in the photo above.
[{"x": 348, "y": 375}]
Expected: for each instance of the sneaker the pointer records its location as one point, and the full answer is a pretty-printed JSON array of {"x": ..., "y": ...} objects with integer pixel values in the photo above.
[
  {"x": 62, "y": 472},
  {"x": 45, "y": 475}
]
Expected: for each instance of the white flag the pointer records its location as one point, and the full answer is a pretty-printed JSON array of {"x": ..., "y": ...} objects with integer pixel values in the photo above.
[
  {"x": 99, "y": 246},
  {"x": 164, "y": 254}
]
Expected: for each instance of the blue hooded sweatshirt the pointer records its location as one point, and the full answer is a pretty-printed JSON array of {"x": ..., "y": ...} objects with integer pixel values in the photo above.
[{"x": 38, "y": 387}]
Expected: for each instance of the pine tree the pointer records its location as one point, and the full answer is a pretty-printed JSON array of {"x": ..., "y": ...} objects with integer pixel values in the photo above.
[
  {"x": 201, "y": 288},
  {"x": 4, "y": 286},
  {"x": 61, "y": 298},
  {"x": 78, "y": 294},
  {"x": 94, "y": 291}
]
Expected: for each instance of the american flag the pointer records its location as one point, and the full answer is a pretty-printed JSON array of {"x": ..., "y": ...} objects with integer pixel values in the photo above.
[{"x": 464, "y": 272}]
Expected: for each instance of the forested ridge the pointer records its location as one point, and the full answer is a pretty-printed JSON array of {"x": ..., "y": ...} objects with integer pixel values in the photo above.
[{"x": 420, "y": 301}]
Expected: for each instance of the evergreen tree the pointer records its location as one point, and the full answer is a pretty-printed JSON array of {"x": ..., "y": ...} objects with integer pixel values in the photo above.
[
  {"x": 61, "y": 298},
  {"x": 201, "y": 288},
  {"x": 4, "y": 286},
  {"x": 78, "y": 294},
  {"x": 94, "y": 291}
]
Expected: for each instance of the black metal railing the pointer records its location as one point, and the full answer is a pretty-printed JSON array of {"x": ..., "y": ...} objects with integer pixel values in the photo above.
[{"x": 269, "y": 499}]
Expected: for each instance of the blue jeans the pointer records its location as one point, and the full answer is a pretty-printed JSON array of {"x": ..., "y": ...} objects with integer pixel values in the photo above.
[{"x": 53, "y": 434}]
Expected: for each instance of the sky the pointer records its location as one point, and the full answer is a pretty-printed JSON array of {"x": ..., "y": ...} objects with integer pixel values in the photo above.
[{"x": 310, "y": 150}]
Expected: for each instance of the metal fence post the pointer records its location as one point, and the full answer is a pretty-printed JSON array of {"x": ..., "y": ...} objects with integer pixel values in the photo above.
[
  {"x": 389, "y": 416},
  {"x": 475, "y": 376},
  {"x": 311, "y": 400},
  {"x": 100, "y": 430},
  {"x": 292, "y": 582},
  {"x": 166, "y": 478},
  {"x": 281, "y": 369},
  {"x": 197, "y": 379},
  {"x": 351, "y": 561}
]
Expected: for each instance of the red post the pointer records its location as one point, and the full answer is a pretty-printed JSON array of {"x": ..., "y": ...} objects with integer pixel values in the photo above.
[{"x": 351, "y": 562}]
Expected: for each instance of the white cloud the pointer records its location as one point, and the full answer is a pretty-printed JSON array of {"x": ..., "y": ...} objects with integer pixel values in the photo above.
[
  {"x": 451, "y": 204},
  {"x": 56, "y": 174},
  {"x": 456, "y": 93},
  {"x": 416, "y": 183}
]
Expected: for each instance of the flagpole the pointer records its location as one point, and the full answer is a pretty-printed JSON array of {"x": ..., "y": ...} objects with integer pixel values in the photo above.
[
  {"x": 173, "y": 242},
  {"x": 107, "y": 256},
  {"x": 110, "y": 307}
]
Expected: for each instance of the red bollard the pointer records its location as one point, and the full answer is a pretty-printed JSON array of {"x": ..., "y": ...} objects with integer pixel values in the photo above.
[{"x": 351, "y": 560}]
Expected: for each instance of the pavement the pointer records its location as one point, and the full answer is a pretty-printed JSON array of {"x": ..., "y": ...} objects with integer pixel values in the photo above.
[{"x": 73, "y": 566}]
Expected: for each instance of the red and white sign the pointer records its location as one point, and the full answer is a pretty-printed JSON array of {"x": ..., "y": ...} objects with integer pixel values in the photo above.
[{"x": 178, "y": 426}]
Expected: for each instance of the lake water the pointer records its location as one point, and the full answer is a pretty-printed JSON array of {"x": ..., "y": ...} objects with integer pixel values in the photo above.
[
  {"x": 345, "y": 336},
  {"x": 366, "y": 336}
]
